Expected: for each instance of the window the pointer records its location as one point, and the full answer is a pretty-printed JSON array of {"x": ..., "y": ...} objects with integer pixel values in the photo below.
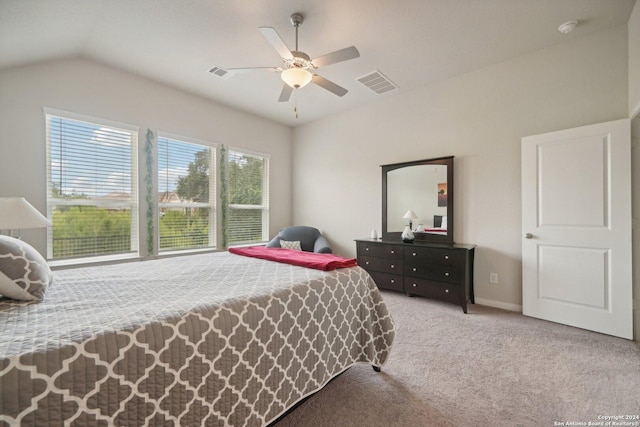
[
  {"x": 248, "y": 197},
  {"x": 186, "y": 199},
  {"x": 92, "y": 187}
]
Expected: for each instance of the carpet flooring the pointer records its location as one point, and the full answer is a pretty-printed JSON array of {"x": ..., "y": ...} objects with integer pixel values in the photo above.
[{"x": 486, "y": 368}]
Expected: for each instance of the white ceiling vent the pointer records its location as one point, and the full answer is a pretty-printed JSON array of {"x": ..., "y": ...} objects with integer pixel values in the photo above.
[
  {"x": 217, "y": 71},
  {"x": 377, "y": 82}
]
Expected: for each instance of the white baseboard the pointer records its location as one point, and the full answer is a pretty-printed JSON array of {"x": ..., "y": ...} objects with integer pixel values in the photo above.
[{"x": 499, "y": 304}]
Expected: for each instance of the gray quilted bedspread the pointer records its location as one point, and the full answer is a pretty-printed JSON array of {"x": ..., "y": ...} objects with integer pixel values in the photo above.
[{"x": 211, "y": 339}]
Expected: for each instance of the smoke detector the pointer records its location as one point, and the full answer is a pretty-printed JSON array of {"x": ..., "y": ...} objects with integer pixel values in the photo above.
[{"x": 567, "y": 27}]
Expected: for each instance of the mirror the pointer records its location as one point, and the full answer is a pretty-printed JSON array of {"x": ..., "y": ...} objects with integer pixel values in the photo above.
[{"x": 424, "y": 187}]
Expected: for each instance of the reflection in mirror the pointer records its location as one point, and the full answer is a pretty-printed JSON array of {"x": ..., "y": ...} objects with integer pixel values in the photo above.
[{"x": 424, "y": 187}]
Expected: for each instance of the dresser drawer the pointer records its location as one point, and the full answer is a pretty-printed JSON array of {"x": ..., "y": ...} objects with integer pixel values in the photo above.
[
  {"x": 436, "y": 290},
  {"x": 387, "y": 281},
  {"x": 383, "y": 265},
  {"x": 441, "y": 273},
  {"x": 441, "y": 256},
  {"x": 391, "y": 252},
  {"x": 437, "y": 271}
]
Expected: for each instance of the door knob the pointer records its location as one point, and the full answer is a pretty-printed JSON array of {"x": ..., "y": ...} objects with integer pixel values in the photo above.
[{"x": 528, "y": 236}]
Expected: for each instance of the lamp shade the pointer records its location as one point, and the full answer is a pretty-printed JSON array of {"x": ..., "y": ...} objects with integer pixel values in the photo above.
[
  {"x": 410, "y": 215},
  {"x": 16, "y": 213},
  {"x": 296, "y": 77}
]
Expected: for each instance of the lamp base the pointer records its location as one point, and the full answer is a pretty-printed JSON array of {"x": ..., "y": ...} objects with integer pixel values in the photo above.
[{"x": 407, "y": 235}]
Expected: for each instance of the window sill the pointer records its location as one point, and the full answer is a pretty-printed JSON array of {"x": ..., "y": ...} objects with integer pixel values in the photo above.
[
  {"x": 116, "y": 259},
  {"x": 246, "y": 245},
  {"x": 178, "y": 252},
  {"x": 62, "y": 264}
]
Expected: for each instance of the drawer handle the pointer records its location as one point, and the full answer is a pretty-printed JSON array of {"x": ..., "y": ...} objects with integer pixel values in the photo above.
[
  {"x": 366, "y": 262},
  {"x": 414, "y": 269},
  {"x": 393, "y": 266},
  {"x": 393, "y": 281},
  {"x": 366, "y": 249},
  {"x": 446, "y": 291},
  {"x": 446, "y": 274},
  {"x": 446, "y": 257},
  {"x": 393, "y": 252},
  {"x": 414, "y": 285},
  {"x": 414, "y": 254}
]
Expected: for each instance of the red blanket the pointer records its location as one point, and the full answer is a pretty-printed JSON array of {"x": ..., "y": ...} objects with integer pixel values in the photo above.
[{"x": 324, "y": 262}]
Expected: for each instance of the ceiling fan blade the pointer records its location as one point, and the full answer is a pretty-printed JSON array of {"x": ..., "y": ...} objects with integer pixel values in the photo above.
[
  {"x": 329, "y": 85},
  {"x": 276, "y": 41},
  {"x": 286, "y": 93},
  {"x": 247, "y": 69},
  {"x": 338, "y": 56}
]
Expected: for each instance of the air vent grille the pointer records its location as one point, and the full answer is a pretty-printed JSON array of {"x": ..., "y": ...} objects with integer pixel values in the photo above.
[
  {"x": 377, "y": 82},
  {"x": 217, "y": 71}
]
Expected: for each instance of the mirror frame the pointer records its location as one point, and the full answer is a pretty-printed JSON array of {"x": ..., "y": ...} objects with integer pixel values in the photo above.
[{"x": 421, "y": 237}]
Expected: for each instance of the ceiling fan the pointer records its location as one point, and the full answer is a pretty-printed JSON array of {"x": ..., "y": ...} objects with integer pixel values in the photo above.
[{"x": 298, "y": 68}]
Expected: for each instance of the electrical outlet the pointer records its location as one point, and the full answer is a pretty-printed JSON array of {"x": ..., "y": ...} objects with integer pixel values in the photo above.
[{"x": 493, "y": 277}]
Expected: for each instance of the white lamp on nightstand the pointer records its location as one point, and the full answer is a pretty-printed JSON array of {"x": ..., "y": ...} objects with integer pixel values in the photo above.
[{"x": 16, "y": 213}]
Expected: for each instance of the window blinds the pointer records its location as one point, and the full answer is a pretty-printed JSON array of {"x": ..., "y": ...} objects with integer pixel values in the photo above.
[
  {"x": 186, "y": 199},
  {"x": 92, "y": 188},
  {"x": 248, "y": 196}
]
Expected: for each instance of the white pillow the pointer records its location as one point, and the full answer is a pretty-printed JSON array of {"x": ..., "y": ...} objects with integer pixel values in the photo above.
[
  {"x": 290, "y": 245},
  {"x": 24, "y": 273},
  {"x": 444, "y": 222}
]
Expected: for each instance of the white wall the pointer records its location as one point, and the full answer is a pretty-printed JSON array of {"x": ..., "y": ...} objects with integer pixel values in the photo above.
[
  {"x": 89, "y": 88},
  {"x": 634, "y": 60},
  {"x": 479, "y": 118}
]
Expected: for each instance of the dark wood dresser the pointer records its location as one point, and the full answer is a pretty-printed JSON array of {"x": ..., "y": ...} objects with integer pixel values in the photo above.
[{"x": 439, "y": 271}]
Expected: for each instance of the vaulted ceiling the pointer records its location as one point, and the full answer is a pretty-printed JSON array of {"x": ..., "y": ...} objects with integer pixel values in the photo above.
[{"x": 412, "y": 42}]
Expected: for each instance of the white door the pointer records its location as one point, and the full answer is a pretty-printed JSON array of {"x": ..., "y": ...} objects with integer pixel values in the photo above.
[{"x": 576, "y": 227}]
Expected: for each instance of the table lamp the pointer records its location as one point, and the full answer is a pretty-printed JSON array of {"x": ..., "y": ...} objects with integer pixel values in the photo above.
[
  {"x": 407, "y": 234},
  {"x": 16, "y": 213}
]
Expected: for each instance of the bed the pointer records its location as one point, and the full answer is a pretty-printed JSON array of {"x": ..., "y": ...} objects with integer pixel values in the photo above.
[
  {"x": 439, "y": 226},
  {"x": 211, "y": 339}
]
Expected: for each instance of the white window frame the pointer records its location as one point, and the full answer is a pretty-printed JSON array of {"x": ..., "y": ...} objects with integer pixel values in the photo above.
[
  {"x": 133, "y": 205},
  {"x": 265, "y": 192},
  {"x": 213, "y": 184}
]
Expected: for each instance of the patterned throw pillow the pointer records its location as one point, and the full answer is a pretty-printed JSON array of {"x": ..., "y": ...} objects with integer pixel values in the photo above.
[
  {"x": 290, "y": 245},
  {"x": 24, "y": 273}
]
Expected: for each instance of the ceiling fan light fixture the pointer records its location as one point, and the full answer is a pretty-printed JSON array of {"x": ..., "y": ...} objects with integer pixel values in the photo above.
[
  {"x": 567, "y": 27},
  {"x": 296, "y": 77}
]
